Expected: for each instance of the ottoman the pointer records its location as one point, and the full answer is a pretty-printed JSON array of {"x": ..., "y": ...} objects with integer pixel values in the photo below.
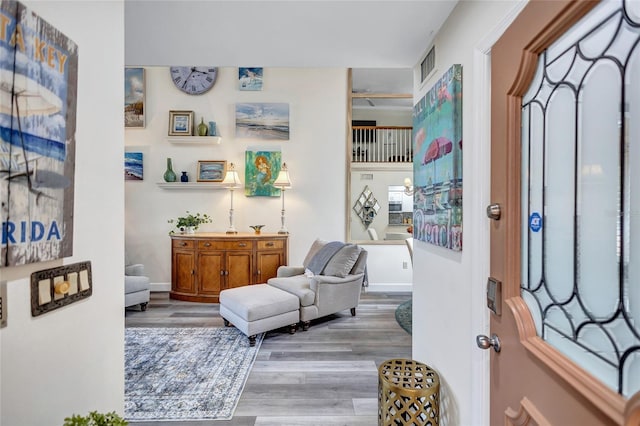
[{"x": 258, "y": 308}]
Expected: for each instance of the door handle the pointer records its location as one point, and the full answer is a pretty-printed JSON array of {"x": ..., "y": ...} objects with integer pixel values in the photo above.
[
  {"x": 494, "y": 211},
  {"x": 485, "y": 342}
]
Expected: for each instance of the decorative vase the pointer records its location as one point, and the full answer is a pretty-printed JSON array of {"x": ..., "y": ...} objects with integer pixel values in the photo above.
[
  {"x": 256, "y": 228},
  {"x": 184, "y": 177},
  {"x": 169, "y": 175},
  {"x": 212, "y": 128},
  {"x": 190, "y": 230},
  {"x": 202, "y": 128}
]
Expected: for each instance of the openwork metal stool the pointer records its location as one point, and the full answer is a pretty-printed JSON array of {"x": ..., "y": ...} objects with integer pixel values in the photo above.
[{"x": 408, "y": 394}]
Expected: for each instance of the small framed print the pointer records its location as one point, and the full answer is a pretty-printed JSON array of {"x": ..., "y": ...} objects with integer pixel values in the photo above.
[
  {"x": 211, "y": 171},
  {"x": 180, "y": 123}
]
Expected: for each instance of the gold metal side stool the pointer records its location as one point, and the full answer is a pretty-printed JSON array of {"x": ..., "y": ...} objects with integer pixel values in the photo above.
[{"x": 408, "y": 394}]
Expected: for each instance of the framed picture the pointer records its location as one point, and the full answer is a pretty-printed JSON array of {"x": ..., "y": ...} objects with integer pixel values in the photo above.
[
  {"x": 180, "y": 123},
  {"x": 211, "y": 170},
  {"x": 261, "y": 169},
  {"x": 250, "y": 78},
  {"x": 133, "y": 166},
  {"x": 134, "y": 97},
  {"x": 262, "y": 121}
]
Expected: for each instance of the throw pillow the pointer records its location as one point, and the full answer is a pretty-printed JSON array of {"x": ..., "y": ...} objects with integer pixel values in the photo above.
[
  {"x": 315, "y": 248},
  {"x": 342, "y": 262}
]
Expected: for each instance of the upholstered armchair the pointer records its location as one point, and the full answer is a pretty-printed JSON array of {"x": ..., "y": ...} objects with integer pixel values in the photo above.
[
  {"x": 136, "y": 286},
  {"x": 334, "y": 286}
]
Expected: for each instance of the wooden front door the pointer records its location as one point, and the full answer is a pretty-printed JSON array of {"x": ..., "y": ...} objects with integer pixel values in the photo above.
[{"x": 564, "y": 150}]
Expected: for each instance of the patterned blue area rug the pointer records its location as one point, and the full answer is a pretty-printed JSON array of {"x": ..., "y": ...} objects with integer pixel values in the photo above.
[
  {"x": 185, "y": 373},
  {"x": 404, "y": 313}
]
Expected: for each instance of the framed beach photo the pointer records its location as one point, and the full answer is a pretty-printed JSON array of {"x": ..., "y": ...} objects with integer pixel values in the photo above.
[
  {"x": 180, "y": 123},
  {"x": 211, "y": 170},
  {"x": 134, "y": 97}
]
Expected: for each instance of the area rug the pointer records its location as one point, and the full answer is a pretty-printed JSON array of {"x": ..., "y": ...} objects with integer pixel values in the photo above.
[
  {"x": 185, "y": 373},
  {"x": 404, "y": 312}
]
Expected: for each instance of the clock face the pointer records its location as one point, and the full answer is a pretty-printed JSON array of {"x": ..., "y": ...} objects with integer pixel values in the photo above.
[{"x": 194, "y": 80}]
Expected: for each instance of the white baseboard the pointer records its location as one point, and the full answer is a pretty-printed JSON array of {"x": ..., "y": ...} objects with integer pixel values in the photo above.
[
  {"x": 388, "y": 288},
  {"x": 159, "y": 287}
]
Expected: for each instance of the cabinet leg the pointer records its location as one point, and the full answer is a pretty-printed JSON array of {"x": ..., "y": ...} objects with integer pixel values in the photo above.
[
  {"x": 252, "y": 340},
  {"x": 306, "y": 325},
  {"x": 353, "y": 312},
  {"x": 293, "y": 328}
]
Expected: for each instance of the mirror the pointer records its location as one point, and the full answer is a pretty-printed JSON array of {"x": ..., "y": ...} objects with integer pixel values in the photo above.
[{"x": 379, "y": 155}]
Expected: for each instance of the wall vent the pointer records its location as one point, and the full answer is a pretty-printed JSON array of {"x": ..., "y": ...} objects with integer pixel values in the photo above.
[{"x": 428, "y": 64}]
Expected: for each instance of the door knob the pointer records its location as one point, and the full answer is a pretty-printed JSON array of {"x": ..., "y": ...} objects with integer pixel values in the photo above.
[
  {"x": 485, "y": 342},
  {"x": 493, "y": 211}
]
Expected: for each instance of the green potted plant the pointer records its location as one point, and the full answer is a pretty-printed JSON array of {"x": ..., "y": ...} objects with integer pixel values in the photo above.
[
  {"x": 189, "y": 223},
  {"x": 95, "y": 419}
]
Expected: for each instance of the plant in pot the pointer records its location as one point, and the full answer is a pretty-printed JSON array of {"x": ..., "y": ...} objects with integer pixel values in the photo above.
[
  {"x": 95, "y": 419},
  {"x": 190, "y": 222}
]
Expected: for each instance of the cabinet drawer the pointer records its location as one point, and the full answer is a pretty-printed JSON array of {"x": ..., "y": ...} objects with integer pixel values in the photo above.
[
  {"x": 184, "y": 244},
  {"x": 224, "y": 245},
  {"x": 270, "y": 244}
]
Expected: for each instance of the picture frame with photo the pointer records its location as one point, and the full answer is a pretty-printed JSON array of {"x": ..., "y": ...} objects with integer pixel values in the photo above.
[
  {"x": 181, "y": 123},
  {"x": 211, "y": 170}
]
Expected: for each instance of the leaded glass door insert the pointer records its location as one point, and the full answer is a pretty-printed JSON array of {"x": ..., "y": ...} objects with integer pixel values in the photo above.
[{"x": 581, "y": 195}]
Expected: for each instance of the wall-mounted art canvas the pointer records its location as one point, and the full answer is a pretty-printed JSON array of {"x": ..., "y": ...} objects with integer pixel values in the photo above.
[
  {"x": 39, "y": 65},
  {"x": 262, "y": 121},
  {"x": 250, "y": 79},
  {"x": 437, "y": 163},
  {"x": 261, "y": 170},
  {"x": 134, "y": 97},
  {"x": 133, "y": 166}
]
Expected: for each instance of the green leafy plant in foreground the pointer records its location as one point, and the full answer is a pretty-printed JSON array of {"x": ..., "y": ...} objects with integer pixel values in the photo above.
[{"x": 95, "y": 419}]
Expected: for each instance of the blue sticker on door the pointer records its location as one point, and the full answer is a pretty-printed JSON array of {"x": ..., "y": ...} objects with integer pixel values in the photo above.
[{"x": 535, "y": 222}]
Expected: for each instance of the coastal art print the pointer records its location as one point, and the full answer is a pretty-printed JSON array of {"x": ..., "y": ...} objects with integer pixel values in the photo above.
[
  {"x": 262, "y": 121},
  {"x": 250, "y": 79},
  {"x": 437, "y": 163},
  {"x": 133, "y": 169},
  {"x": 134, "y": 97},
  {"x": 261, "y": 169},
  {"x": 38, "y": 88},
  {"x": 211, "y": 171}
]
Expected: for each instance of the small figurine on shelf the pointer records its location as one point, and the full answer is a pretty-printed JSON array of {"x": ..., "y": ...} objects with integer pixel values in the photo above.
[
  {"x": 203, "y": 130},
  {"x": 184, "y": 177}
]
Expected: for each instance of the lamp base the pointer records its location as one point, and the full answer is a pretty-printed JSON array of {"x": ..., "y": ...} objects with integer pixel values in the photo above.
[
  {"x": 283, "y": 231},
  {"x": 232, "y": 232}
]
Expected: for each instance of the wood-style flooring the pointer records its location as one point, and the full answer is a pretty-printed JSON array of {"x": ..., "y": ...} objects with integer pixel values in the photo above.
[{"x": 326, "y": 376}]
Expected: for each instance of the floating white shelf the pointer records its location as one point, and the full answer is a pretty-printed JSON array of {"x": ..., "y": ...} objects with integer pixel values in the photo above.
[
  {"x": 195, "y": 140},
  {"x": 191, "y": 185}
]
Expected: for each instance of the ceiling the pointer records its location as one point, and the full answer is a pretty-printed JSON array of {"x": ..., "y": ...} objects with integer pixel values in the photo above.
[{"x": 381, "y": 40}]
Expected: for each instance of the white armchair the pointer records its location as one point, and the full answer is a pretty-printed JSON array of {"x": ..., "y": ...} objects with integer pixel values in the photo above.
[
  {"x": 337, "y": 287},
  {"x": 136, "y": 286}
]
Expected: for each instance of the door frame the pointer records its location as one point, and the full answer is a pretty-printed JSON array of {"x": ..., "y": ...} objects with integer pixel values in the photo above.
[{"x": 481, "y": 197}]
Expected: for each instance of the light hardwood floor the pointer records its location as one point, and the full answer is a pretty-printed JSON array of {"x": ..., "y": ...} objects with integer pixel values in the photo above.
[{"x": 326, "y": 376}]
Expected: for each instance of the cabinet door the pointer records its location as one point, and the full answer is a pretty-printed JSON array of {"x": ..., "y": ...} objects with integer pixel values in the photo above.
[
  {"x": 267, "y": 263},
  {"x": 239, "y": 268},
  {"x": 210, "y": 273},
  {"x": 183, "y": 271}
]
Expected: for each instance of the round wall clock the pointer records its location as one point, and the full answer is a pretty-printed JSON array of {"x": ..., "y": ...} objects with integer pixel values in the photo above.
[{"x": 194, "y": 80}]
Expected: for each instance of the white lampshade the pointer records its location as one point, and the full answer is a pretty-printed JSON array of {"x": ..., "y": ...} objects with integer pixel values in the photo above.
[
  {"x": 231, "y": 178},
  {"x": 283, "y": 181}
]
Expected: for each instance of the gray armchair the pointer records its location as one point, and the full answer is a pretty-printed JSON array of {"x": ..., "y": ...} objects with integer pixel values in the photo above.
[
  {"x": 335, "y": 288},
  {"x": 136, "y": 286}
]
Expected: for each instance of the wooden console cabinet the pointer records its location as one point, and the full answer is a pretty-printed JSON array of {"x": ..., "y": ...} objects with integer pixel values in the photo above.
[{"x": 204, "y": 264}]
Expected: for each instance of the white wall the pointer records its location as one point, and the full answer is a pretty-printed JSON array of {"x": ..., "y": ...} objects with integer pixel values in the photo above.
[
  {"x": 315, "y": 154},
  {"x": 71, "y": 360},
  {"x": 450, "y": 285}
]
